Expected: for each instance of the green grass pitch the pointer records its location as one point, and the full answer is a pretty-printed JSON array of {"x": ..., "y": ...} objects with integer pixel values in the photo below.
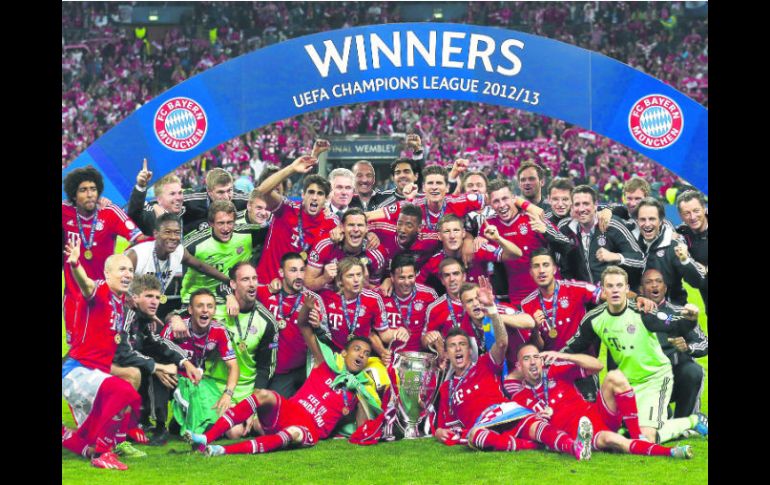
[{"x": 402, "y": 462}]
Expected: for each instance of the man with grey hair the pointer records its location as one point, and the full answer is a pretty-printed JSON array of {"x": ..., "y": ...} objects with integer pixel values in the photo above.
[
  {"x": 366, "y": 197},
  {"x": 342, "y": 181}
]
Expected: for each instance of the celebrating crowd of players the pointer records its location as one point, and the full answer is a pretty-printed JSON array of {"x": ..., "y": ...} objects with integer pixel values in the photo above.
[{"x": 265, "y": 320}]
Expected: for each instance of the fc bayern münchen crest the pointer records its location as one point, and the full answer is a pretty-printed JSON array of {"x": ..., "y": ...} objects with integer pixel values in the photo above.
[
  {"x": 100, "y": 225},
  {"x": 418, "y": 306},
  {"x": 523, "y": 229},
  {"x": 180, "y": 124},
  {"x": 631, "y": 329},
  {"x": 601, "y": 240},
  {"x": 660, "y": 253},
  {"x": 211, "y": 345},
  {"x": 655, "y": 121},
  {"x": 563, "y": 302}
]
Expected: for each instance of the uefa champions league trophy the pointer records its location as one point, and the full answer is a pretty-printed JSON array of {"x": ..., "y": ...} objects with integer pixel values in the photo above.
[{"x": 418, "y": 376}]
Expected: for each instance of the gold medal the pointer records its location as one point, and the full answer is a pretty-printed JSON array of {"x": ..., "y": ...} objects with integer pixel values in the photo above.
[
  {"x": 242, "y": 346},
  {"x": 117, "y": 339},
  {"x": 281, "y": 324},
  {"x": 350, "y": 337},
  {"x": 88, "y": 254},
  {"x": 553, "y": 333},
  {"x": 163, "y": 299},
  {"x": 303, "y": 255},
  {"x": 345, "y": 411}
]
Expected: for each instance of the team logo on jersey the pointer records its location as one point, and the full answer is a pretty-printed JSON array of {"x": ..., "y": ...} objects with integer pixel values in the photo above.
[
  {"x": 239, "y": 250},
  {"x": 361, "y": 313},
  {"x": 564, "y": 302},
  {"x": 655, "y": 121},
  {"x": 392, "y": 208},
  {"x": 472, "y": 197},
  {"x": 203, "y": 225},
  {"x": 523, "y": 229},
  {"x": 99, "y": 225},
  {"x": 211, "y": 345},
  {"x": 660, "y": 253},
  {"x": 332, "y": 306},
  {"x": 70, "y": 223},
  {"x": 418, "y": 306},
  {"x": 253, "y": 330},
  {"x": 551, "y": 384},
  {"x": 602, "y": 240},
  {"x": 631, "y": 329},
  {"x": 314, "y": 257},
  {"x": 180, "y": 124}
]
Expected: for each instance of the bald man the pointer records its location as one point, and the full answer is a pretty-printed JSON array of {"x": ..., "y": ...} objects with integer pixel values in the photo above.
[{"x": 105, "y": 407}]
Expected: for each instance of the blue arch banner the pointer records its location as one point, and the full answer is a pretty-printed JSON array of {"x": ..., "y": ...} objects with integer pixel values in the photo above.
[{"x": 405, "y": 61}]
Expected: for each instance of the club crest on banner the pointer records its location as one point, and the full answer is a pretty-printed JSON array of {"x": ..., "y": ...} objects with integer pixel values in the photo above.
[
  {"x": 180, "y": 124},
  {"x": 655, "y": 121}
]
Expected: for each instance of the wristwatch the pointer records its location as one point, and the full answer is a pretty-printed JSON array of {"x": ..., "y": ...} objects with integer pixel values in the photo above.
[{"x": 229, "y": 392}]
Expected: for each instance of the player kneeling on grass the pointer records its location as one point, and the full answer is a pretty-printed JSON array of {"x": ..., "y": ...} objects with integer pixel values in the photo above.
[
  {"x": 330, "y": 393},
  {"x": 472, "y": 398},
  {"x": 549, "y": 389}
]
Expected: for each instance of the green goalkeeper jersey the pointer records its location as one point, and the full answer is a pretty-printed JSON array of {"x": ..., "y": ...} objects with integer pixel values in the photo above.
[
  {"x": 630, "y": 338},
  {"x": 221, "y": 255}
]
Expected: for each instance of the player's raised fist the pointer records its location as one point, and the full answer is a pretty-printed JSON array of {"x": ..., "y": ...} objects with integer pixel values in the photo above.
[
  {"x": 319, "y": 147},
  {"x": 410, "y": 191},
  {"x": 681, "y": 252},
  {"x": 491, "y": 234},
  {"x": 413, "y": 142}
]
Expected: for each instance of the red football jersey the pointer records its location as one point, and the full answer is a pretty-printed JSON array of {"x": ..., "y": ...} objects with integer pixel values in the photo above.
[
  {"x": 371, "y": 315},
  {"x": 471, "y": 393},
  {"x": 325, "y": 252},
  {"x": 479, "y": 267},
  {"x": 519, "y": 232},
  {"x": 292, "y": 349},
  {"x": 398, "y": 311},
  {"x": 108, "y": 224},
  {"x": 458, "y": 205},
  {"x": 426, "y": 244},
  {"x": 111, "y": 222},
  {"x": 563, "y": 397},
  {"x": 572, "y": 300},
  {"x": 439, "y": 317},
  {"x": 94, "y": 334},
  {"x": 200, "y": 347},
  {"x": 283, "y": 236},
  {"x": 322, "y": 402}
]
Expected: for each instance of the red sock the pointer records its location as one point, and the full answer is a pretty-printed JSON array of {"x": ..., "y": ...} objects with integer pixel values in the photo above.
[
  {"x": 641, "y": 447},
  {"x": 626, "y": 402},
  {"x": 235, "y": 415},
  {"x": 520, "y": 443},
  {"x": 120, "y": 435},
  {"x": 488, "y": 440},
  {"x": 263, "y": 444},
  {"x": 553, "y": 437},
  {"x": 74, "y": 443}
]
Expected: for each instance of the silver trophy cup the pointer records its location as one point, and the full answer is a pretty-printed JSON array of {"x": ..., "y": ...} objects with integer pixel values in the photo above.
[{"x": 418, "y": 376}]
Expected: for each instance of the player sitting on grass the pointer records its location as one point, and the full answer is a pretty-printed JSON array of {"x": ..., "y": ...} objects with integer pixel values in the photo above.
[
  {"x": 330, "y": 393},
  {"x": 552, "y": 375},
  {"x": 472, "y": 398}
]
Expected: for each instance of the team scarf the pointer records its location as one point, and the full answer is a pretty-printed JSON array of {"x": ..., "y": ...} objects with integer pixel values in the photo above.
[{"x": 353, "y": 382}]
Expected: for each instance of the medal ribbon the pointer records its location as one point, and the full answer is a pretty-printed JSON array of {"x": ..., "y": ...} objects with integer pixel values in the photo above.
[
  {"x": 198, "y": 361},
  {"x": 409, "y": 309},
  {"x": 351, "y": 327},
  {"x": 248, "y": 327},
  {"x": 300, "y": 232},
  {"x": 453, "y": 387},
  {"x": 293, "y": 308},
  {"x": 114, "y": 301},
  {"x": 160, "y": 271},
  {"x": 452, "y": 312},
  {"x": 433, "y": 227},
  {"x": 82, "y": 232},
  {"x": 545, "y": 389},
  {"x": 554, "y": 306}
]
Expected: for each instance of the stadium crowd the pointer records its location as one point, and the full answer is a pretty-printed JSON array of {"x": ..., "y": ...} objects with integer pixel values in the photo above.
[
  {"x": 109, "y": 70},
  {"x": 508, "y": 245}
]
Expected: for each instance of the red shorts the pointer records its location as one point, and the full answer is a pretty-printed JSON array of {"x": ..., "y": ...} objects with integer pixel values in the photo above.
[
  {"x": 600, "y": 415},
  {"x": 288, "y": 413}
]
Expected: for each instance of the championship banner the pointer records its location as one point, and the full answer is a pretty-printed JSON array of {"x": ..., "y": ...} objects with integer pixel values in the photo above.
[{"x": 405, "y": 61}]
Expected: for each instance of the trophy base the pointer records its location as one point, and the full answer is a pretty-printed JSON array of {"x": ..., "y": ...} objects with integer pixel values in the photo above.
[{"x": 412, "y": 432}]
